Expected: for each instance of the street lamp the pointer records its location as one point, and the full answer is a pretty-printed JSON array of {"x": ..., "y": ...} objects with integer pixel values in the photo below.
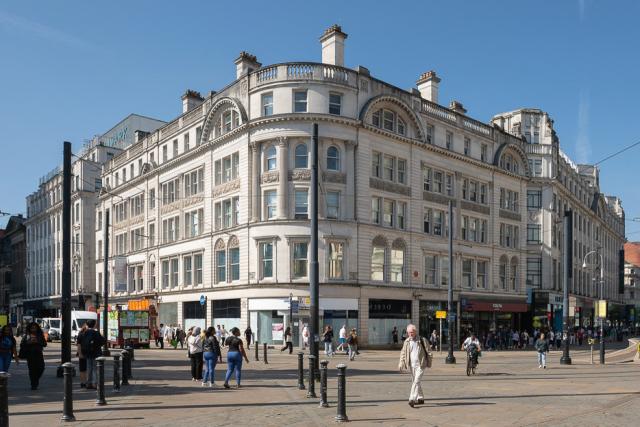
[{"x": 602, "y": 318}]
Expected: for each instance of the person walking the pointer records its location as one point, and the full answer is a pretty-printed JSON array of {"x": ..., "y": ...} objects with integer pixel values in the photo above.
[
  {"x": 542, "y": 347},
  {"x": 288, "y": 340},
  {"x": 327, "y": 338},
  {"x": 305, "y": 336},
  {"x": 31, "y": 348},
  {"x": 91, "y": 347},
  {"x": 211, "y": 353},
  {"x": 342, "y": 339},
  {"x": 82, "y": 360},
  {"x": 414, "y": 358},
  {"x": 7, "y": 348},
  {"x": 352, "y": 343},
  {"x": 161, "y": 332},
  {"x": 219, "y": 335},
  {"x": 248, "y": 335},
  {"x": 180, "y": 336},
  {"x": 225, "y": 334},
  {"x": 433, "y": 340},
  {"x": 194, "y": 344},
  {"x": 394, "y": 336},
  {"x": 234, "y": 357},
  {"x": 168, "y": 335}
]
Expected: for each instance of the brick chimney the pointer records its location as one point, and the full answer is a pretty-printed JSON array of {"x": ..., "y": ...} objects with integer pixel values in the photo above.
[
  {"x": 190, "y": 100},
  {"x": 333, "y": 46},
  {"x": 246, "y": 63},
  {"x": 428, "y": 85}
]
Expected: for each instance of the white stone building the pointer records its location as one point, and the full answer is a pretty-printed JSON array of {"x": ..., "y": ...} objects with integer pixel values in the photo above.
[
  {"x": 558, "y": 184},
  {"x": 44, "y": 222},
  {"x": 216, "y": 206}
]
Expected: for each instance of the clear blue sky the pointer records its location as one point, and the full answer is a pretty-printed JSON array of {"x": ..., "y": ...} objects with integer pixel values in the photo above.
[{"x": 70, "y": 70}]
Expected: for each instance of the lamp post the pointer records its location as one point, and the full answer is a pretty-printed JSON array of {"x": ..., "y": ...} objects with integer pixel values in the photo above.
[{"x": 601, "y": 317}]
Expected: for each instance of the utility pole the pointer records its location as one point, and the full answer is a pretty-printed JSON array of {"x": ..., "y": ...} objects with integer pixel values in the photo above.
[
  {"x": 314, "y": 287},
  {"x": 602, "y": 315},
  {"x": 105, "y": 289},
  {"x": 65, "y": 350},
  {"x": 567, "y": 259},
  {"x": 451, "y": 359}
]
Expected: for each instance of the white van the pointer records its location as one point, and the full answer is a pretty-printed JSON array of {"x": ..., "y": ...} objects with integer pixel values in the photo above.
[
  {"x": 79, "y": 318},
  {"x": 52, "y": 327}
]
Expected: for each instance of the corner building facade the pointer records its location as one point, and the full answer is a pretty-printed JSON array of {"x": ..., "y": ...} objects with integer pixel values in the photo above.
[{"x": 213, "y": 225}]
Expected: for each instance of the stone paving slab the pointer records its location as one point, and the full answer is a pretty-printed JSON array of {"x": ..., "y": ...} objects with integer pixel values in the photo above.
[{"x": 509, "y": 390}]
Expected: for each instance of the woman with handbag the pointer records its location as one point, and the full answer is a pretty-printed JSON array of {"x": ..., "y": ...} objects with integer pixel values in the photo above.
[
  {"x": 194, "y": 343},
  {"x": 414, "y": 358},
  {"x": 31, "y": 348}
]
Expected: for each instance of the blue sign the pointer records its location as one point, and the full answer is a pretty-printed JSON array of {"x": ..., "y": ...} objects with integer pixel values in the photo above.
[
  {"x": 203, "y": 300},
  {"x": 294, "y": 306},
  {"x": 452, "y": 316}
]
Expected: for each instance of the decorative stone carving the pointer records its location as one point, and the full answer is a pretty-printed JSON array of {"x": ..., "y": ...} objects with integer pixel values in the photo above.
[
  {"x": 470, "y": 206},
  {"x": 300, "y": 175},
  {"x": 282, "y": 141},
  {"x": 193, "y": 200},
  {"x": 335, "y": 177},
  {"x": 391, "y": 187},
  {"x": 227, "y": 187},
  {"x": 510, "y": 215},
  {"x": 269, "y": 177},
  {"x": 170, "y": 207},
  {"x": 437, "y": 198}
]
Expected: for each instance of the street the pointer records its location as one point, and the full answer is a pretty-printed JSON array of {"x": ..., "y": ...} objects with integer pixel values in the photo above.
[{"x": 508, "y": 390}]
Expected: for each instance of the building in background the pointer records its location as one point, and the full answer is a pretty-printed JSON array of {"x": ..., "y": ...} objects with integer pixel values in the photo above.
[
  {"x": 13, "y": 265},
  {"x": 44, "y": 221},
  {"x": 558, "y": 184},
  {"x": 632, "y": 281}
]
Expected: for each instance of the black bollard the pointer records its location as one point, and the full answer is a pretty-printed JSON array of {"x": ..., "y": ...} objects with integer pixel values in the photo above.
[
  {"x": 116, "y": 372},
  {"x": 100, "y": 400},
  {"x": 129, "y": 348},
  {"x": 67, "y": 406},
  {"x": 4, "y": 399},
  {"x": 301, "y": 371},
  {"x": 323, "y": 384},
  {"x": 341, "y": 415},
  {"x": 125, "y": 367},
  {"x": 311, "y": 393},
  {"x": 264, "y": 352},
  {"x": 257, "y": 349}
]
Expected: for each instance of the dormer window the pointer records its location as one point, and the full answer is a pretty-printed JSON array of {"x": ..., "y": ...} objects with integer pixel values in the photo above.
[
  {"x": 228, "y": 121},
  {"x": 389, "y": 121}
]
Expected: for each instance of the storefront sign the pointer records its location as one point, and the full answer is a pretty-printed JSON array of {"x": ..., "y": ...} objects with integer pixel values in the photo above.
[
  {"x": 138, "y": 305},
  {"x": 441, "y": 314},
  {"x": 389, "y": 309},
  {"x": 277, "y": 331},
  {"x": 556, "y": 299},
  {"x": 601, "y": 308},
  {"x": 515, "y": 307}
]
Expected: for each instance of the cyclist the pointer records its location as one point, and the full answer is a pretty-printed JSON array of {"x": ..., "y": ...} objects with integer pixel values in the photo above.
[{"x": 472, "y": 346}]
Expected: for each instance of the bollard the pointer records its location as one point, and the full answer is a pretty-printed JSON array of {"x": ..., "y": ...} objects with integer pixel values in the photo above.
[
  {"x": 129, "y": 348},
  {"x": 125, "y": 368},
  {"x": 341, "y": 415},
  {"x": 311, "y": 393},
  {"x": 257, "y": 349},
  {"x": 100, "y": 400},
  {"x": 301, "y": 371},
  {"x": 116, "y": 372},
  {"x": 323, "y": 384},
  {"x": 67, "y": 406},
  {"x": 264, "y": 352},
  {"x": 4, "y": 399}
]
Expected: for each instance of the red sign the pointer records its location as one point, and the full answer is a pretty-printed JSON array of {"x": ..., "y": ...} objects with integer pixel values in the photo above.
[{"x": 506, "y": 307}]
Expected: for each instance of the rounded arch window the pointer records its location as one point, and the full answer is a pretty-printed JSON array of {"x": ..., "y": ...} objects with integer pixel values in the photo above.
[
  {"x": 302, "y": 156},
  {"x": 270, "y": 155},
  {"x": 333, "y": 158}
]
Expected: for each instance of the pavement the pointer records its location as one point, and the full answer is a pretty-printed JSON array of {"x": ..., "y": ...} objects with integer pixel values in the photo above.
[{"x": 508, "y": 390}]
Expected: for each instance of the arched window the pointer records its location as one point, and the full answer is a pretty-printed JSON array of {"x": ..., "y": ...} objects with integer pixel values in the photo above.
[
  {"x": 503, "y": 271},
  {"x": 513, "y": 274},
  {"x": 302, "y": 157},
  {"x": 378, "y": 259},
  {"x": 397, "y": 261},
  {"x": 333, "y": 159},
  {"x": 272, "y": 163},
  {"x": 402, "y": 127}
]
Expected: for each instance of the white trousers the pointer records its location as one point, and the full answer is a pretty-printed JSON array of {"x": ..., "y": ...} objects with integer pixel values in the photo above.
[{"x": 416, "y": 387}]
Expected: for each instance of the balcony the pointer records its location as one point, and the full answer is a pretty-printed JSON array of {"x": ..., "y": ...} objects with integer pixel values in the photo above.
[{"x": 303, "y": 71}]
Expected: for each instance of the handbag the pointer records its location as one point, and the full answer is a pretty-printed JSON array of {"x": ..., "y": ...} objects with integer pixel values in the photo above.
[{"x": 428, "y": 355}]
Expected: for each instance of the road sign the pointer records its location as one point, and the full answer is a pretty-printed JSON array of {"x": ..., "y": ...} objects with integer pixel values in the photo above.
[
  {"x": 294, "y": 306},
  {"x": 441, "y": 314},
  {"x": 203, "y": 299},
  {"x": 452, "y": 316}
]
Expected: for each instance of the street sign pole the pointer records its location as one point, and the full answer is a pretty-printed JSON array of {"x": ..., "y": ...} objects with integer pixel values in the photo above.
[{"x": 440, "y": 344}]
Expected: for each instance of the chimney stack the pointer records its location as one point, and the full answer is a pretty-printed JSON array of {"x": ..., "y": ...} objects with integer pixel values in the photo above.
[
  {"x": 457, "y": 107},
  {"x": 246, "y": 63},
  {"x": 333, "y": 46},
  {"x": 190, "y": 100},
  {"x": 428, "y": 85}
]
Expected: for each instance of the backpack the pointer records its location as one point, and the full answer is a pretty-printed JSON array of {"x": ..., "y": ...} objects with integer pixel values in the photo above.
[{"x": 91, "y": 343}]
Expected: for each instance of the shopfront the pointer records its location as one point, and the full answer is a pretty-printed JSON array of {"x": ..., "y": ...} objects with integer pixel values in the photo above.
[
  {"x": 484, "y": 316},
  {"x": 168, "y": 313},
  {"x": 194, "y": 314},
  {"x": 427, "y": 318},
  {"x": 384, "y": 315},
  {"x": 226, "y": 312}
]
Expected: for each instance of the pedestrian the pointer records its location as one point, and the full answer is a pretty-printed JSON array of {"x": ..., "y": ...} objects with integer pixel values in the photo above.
[
  {"x": 167, "y": 335},
  {"x": 342, "y": 339},
  {"x": 327, "y": 339},
  {"x": 305, "y": 336},
  {"x": 161, "y": 333},
  {"x": 433, "y": 340},
  {"x": 156, "y": 335},
  {"x": 91, "y": 347},
  {"x": 225, "y": 334},
  {"x": 82, "y": 360},
  {"x": 31, "y": 348},
  {"x": 219, "y": 335},
  {"x": 180, "y": 336},
  {"x": 394, "y": 336},
  {"x": 234, "y": 357},
  {"x": 194, "y": 343},
  {"x": 525, "y": 339},
  {"x": 248, "y": 335},
  {"x": 404, "y": 335},
  {"x": 414, "y": 358},
  {"x": 352, "y": 343},
  {"x": 7, "y": 348},
  {"x": 211, "y": 353},
  {"x": 515, "y": 338},
  {"x": 288, "y": 340},
  {"x": 542, "y": 347}
]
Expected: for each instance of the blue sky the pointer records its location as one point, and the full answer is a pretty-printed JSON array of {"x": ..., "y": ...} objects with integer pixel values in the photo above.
[{"x": 70, "y": 70}]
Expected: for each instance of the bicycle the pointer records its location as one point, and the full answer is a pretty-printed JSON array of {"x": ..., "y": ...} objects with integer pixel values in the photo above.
[{"x": 472, "y": 364}]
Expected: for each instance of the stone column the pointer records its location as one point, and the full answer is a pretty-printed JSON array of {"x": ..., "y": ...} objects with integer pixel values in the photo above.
[
  {"x": 350, "y": 168},
  {"x": 283, "y": 178},
  {"x": 255, "y": 182}
]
